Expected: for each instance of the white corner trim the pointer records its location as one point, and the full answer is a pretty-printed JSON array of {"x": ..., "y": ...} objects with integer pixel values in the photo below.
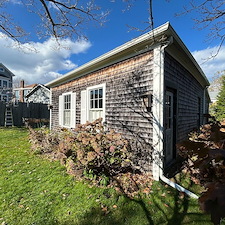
[
  {"x": 50, "y": 103},
  {"x": 157, "y": 111}
]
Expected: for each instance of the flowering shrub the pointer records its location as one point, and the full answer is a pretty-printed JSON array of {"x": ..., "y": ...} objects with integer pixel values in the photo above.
[
  {"x": 88, "y": 148},
  {"x": 100, "y": 151},
  {"x": 43, "y": 141}
]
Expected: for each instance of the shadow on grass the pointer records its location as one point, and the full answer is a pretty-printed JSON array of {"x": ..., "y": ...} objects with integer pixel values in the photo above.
[{"x": 157, "y": 208}]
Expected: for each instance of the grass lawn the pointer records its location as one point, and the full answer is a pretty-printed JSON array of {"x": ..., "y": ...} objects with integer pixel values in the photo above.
[{"x": 35, "y": 191}]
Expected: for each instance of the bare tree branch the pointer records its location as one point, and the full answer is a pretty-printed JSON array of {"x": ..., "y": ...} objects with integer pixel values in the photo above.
[
  {"x": 211, "y": 16},
  {"x": 58, "y": 18}
]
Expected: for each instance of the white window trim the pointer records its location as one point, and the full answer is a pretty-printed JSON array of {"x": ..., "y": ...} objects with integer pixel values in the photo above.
[
  {"x": 103, "y": 86},
  {"x": 72, "y": 110}
]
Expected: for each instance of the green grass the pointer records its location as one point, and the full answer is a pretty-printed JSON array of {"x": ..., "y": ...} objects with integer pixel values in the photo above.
[{"x": 35, "y": 191}]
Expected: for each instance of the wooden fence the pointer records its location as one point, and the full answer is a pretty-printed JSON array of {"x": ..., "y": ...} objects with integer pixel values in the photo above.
[{"x": 24, "y": 110}]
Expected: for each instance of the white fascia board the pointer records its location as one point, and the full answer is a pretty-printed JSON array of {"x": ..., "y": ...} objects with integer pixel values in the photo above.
[{"x": 109, "y": 56}]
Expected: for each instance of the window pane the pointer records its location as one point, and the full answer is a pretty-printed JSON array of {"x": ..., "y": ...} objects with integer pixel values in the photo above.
[
  {"x": 100, "y": 93},
  {"x": 91, "y": 95},
  {"x": 100, "y": 103},
  {"x": 66, "y": 121},
  {"x": 96, "y": 103},
  {"x": 92, "y": 104},
  {"x": 96, "y": 94}
]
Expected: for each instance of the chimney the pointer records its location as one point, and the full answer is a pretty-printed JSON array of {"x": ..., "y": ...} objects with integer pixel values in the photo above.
[
  {"x": 22, "y": 91},
  {"x": 22, "y": 83}
]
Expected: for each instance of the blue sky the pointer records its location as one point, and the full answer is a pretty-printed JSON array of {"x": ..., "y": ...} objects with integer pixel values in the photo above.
[{"x": 48, "y": 64}]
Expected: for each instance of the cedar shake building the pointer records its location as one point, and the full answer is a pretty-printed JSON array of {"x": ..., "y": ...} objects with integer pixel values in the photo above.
[{"x": 150, "y": 89}]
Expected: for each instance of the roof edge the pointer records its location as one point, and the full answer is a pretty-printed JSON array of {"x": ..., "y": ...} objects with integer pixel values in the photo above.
[
  {"x": 157, "y": 31},
  {"x": 191, "y": 57}
]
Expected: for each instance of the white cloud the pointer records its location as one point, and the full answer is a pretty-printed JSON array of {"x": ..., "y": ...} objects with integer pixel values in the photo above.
[
  {"x": 211, "y": 65},
  {"x": 16, "y": 2},
  {"x": 45, "y": 63}
]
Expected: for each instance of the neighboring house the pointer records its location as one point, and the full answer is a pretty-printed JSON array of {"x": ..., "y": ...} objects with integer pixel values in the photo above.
[
  {"x": 6, "y": 79},
  {"x": 39, "y": 94},
  {"x": 213, "y": 95},
  {"x": 150, "y": 89},
  {"x": 22, "y": 91}
]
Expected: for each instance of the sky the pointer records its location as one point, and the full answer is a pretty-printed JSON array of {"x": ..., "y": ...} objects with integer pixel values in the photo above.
[{"x": 49, "y": 62}]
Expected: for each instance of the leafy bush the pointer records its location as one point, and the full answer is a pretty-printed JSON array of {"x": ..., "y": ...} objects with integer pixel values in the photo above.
[
  {"x": 100, "y": 151},
  {"x": 88, "y": 148},
  {"x": 205, "y": 159},
  {"x": 43, "y": 141}
]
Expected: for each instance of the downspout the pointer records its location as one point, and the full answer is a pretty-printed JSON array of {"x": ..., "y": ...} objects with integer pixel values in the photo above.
[
  {"x": 161, "y": 175},
  {"x": 176, "y": 186}
]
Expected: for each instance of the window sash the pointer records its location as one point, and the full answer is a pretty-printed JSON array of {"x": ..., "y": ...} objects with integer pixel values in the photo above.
[
  {"x": 96, "y": 102},
  {"x": 66, "y": 117},
  {"x": 96, "y": 98},
  {"x": 67, "y": 110}
]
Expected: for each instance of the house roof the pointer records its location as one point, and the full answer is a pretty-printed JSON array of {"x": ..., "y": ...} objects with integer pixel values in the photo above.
[
  {"x": 1, "y": 65},
  {"x": 136, "y": 46},
  {"x": 213, "y": 95},
  {"x": 35, "y": 88},
  {"x": 26, "y": 87}
]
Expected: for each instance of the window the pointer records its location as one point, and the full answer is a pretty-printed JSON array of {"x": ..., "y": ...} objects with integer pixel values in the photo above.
[
  {"x": 96, "y": 98},
  {"x": 93, "y": 103},
  {"x": 168, "y": 111},
  {"x": 4, "y": 83},
  {"x": 67, "y": 112},
  {"x": 2, "y": 69},
  {"x": 17, "y": 95}
]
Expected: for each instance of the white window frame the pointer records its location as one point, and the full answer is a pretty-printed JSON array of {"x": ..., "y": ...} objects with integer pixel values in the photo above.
[
  {"x": 89, "y": 89},
  {"x": 72, "y": 123},
  {"x": 85, "y": 102}
]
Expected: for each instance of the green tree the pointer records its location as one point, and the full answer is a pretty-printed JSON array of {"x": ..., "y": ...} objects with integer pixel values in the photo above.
[{"x": 220, "y": 105}]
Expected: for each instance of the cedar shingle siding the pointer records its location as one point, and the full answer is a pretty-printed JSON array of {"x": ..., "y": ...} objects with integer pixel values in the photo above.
[
  {"x": 126, "y": 82},
  {"x": 188, "y": 92}
]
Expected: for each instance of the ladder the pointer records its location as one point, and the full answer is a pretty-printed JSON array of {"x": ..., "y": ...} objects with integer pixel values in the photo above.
[{"x": 8, "y": 116}]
